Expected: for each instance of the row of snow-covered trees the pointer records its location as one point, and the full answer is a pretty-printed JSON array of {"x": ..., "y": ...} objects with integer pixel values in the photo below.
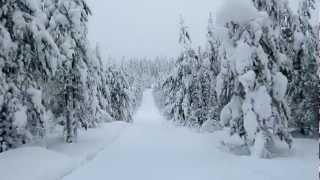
[
  {"x": 187, "y": 95},
  {"x": 256, "y": 76},
  {"x": 148, "y": 71},
  {"x": 50, "y": 76}
]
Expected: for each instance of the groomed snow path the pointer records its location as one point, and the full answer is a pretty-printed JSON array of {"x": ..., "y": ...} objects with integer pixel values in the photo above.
[{"x": 150, "y": 149}]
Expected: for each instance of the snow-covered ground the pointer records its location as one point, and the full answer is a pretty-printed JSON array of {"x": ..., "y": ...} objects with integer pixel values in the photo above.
[
  {"x": 152, "y": 149},
  {"x": 55, "y": 159}
]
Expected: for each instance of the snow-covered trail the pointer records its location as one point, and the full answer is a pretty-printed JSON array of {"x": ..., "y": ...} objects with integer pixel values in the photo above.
[{"x": 150, "y": 149}]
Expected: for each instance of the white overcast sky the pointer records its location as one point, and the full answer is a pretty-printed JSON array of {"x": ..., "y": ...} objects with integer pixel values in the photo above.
[
  {"x": 150, "y": 28},
  {"x": 146, "y": 28}
]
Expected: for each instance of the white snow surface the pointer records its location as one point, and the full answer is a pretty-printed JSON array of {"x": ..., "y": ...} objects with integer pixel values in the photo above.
[
  {"x": 153, "y": 149},
  {"x": 55, "y": 159},
  {"x": 34, "y": 163}
]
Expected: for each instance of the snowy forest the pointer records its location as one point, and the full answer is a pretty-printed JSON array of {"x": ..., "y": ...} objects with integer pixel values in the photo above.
[{"x": 249, "y": 96}]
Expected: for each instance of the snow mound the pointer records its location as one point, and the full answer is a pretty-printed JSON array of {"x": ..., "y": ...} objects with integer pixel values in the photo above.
[{"x": 211, "y": 126}]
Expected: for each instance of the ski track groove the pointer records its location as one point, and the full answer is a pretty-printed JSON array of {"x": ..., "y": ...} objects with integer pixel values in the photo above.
[{"x": 89, "y": 158}]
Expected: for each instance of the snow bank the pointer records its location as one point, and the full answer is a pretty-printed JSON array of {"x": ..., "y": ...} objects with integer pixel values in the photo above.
[
  {"x": 297, "y": 163},
  {"x": 57, "y": 159},
  {"x": 210, "y": 126},
  {"x": 34, "y": 163},
  {"x": 89, "y": 143}
]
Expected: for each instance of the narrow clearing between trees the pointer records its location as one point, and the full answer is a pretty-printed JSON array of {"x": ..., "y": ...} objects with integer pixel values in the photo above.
[{"x": 152, "y": 149}]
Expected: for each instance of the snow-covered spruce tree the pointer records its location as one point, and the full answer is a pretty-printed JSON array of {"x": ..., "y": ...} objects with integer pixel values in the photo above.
[
  {"x": 174, "y": 88},
  {"x": 205, "y": 107},
  {"x": 119, "y": 96},
  {"x": 226, "y": 78},
  {"x": 304, "y": 86},
  {"x": 102, "y": 102},
  {"x": 188, "y": 94},
  {"x": 76, "y": 75},
  {"x": 13, "y": 124},
  {"x": 11, "y": 135},
  {"x": 214, "y": 47},
  {"x": 209, "y": 73},
  {"x": 31, "y": 62},
  {"x": 198, "y": 87},
  {"x": 257, "y": 110},
  {"x": 68, "y": 25},
  {"x": 185, "y": 89},
  {"x": 135, "y": 83},
  {"x": 91, "y": 103}
]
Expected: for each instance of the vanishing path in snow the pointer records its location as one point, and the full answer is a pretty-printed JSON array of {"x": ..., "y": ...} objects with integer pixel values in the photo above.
[
  {"x": 148, "y": 150},
  {"x": 151, "y": 149}
]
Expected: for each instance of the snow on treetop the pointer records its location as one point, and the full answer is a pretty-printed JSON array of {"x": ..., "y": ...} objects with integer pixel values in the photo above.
[{"x": 236, "y": 10}]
